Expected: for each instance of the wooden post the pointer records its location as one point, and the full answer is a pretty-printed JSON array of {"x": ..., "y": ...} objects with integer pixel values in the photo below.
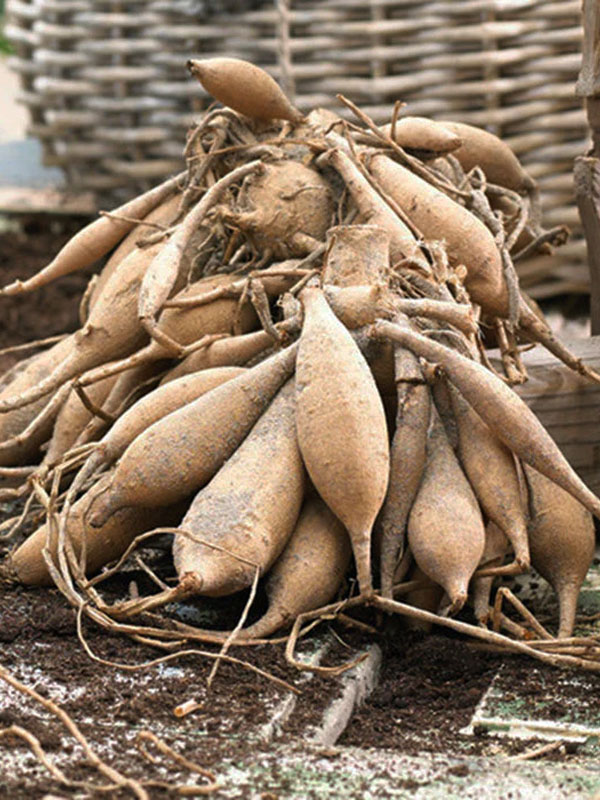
[
  {"x": 587, "y": 168},
  {"x": 567, "y": 405}
]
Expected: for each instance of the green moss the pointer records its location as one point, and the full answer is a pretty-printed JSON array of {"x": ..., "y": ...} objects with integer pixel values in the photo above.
[{"x": 5, "y": 46}]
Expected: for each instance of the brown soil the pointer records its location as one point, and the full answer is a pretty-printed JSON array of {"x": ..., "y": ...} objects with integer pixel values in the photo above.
[{"x": 429, "y": 687}]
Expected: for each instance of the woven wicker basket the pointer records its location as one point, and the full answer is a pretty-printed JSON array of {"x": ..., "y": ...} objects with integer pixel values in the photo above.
[{"x": 110, "y": 99}]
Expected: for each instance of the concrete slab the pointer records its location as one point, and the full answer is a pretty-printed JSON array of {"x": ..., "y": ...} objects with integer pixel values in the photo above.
[
  {"x": 24, "y": 200},
  {"x": 503, "y": 712},
  {"x": 361, "y": 774}
]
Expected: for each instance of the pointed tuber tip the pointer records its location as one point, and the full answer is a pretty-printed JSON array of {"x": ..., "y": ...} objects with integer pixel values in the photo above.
[{"x": 193, "y": 66}]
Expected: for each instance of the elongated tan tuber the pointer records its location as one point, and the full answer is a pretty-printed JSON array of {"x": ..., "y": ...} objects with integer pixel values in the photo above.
[{"x": 244, "y": 87}]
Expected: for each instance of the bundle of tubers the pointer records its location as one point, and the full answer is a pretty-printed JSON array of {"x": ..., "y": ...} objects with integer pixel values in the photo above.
[{"x": 281, "y": 362}]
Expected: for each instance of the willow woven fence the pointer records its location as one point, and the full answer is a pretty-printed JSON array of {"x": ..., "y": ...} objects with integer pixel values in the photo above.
[{"x": 110, "y": 99}]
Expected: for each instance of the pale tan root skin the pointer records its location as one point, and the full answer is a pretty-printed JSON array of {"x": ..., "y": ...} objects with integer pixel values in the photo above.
[
  {"x": 438, "y": 217},
  {"x": 285, "y": 210},
  {"x": 14, "y": 422},
  {"x": 501, "y": 408},
  {"x": 445, "y": 528},
  {"x": 249, "y": 508},
  {"x": 496, "y": 547},
  {"x": 181, "y": 452},
  {"x": 407, "y": 462},
  {"x": 562, "y": 542},
  {"x": 341, "y": 426},
  {"x": 309, "y": 571},
  {"x": 490, "y": 468},
  {"x": 244, "y": 87}
]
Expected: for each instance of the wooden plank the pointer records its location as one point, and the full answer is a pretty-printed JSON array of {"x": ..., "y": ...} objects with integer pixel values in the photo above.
[
  {"x": 588, "y": 82},
  {"x": 587, "y": 169},
  {"x": 568, "y": 405},
  {"x": 22, "y": 200},
  {"x": 586, "y": 175}
]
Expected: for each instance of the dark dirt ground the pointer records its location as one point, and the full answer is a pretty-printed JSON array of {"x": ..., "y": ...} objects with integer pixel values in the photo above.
[{"x": 429, "y": 686}]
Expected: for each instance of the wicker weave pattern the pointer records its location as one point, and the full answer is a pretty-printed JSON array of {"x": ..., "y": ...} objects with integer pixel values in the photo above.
[{"x": 110, "y": 98}]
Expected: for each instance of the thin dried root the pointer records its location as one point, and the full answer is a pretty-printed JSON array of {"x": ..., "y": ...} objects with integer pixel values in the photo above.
[
  {"x": 8, "y": 495},
  {"x": 206, "y": 297},
  {"x": 503, "y": 643},
  {"x": 350, "y": 622},
  {"x": 235, "y": 289},
  {"x": 537, "y": 331},
  {"x": 18, "y": 348},
  {"x": 504, "y": 593},
  {"x": 16, "y": 472},
  {"x": 16, "y": 522},
  {"x": 154, "y": 238},
  {"x": 58, "y": 775},
  {"x": 484, "y": 359},
  {"x": 520, "y": 225},
  {"x": 555, "y": 237},
  {"x": 457, "y": 314},
  {"x": 62, "y": 578},
  {"x": 514, "y": 568},
  {"x": 590, "y": 642},
  {"x": 146, "y": 355},
  {"x": 507, "y": 354},
  {"x": 94, "y": 410},
  {"x": 240, "y": 624},
  {"x": 108, "y": 572},
  {"x": 512, "y": 627},
  {"x": 129, "y": 629},
  {"x": 133, "y": 220},
  {"x": 260, "y": 301},
  {"x": 413, "y": 164},
  {"x": 318, "y": 615},
  {"x": 47, "y": 413},
  {"x": 162, "y": 273},
  {"x": 172, "y": 347},
  {"x": 182, "y": 761},
  {"x": 199, "y": 173},
  {"x": 189, "y": 584},
  {"x": 187, "y": 587},
  {"x": 543, "y": 750},
  {"x": 93, "y": 759}
]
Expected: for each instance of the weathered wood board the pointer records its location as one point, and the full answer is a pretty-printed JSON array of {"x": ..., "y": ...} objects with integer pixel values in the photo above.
[
  {"x": 568, "y": 405},
  {"x": 26, "y": 200},
  {"x": 587, "y": 168}
]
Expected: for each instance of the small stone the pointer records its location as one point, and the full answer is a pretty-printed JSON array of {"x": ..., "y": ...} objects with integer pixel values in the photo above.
[{"x": 328, "y": 752}]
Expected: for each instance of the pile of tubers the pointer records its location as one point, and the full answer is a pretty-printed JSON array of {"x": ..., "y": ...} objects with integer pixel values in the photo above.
[{"x": 281, "y": 364}]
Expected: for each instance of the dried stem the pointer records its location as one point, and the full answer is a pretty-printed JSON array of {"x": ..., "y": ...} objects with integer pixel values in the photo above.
[
  {"x": 18, "y": 348},
  {"x": 181, "y": 654},
  {"x": 148, "y": 736},
  {"x": 414, "y": 164}
]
